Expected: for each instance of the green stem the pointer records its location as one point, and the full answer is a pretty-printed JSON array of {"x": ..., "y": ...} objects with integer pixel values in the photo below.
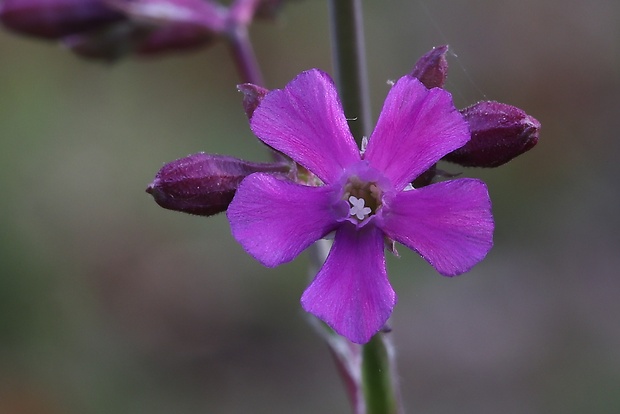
[
  {"x": 349, "y": 59},
  {"x": 378, "y": 384}
]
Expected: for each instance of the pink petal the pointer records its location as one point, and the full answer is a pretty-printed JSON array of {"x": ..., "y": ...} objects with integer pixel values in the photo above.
[
  {"x": 416, "y": 128},
  {"x": 449, "y": 223},
  {"x": 306, "y": 122},
  {"x": 275, "y": 219},
  {"x": 351, "y": 292}
]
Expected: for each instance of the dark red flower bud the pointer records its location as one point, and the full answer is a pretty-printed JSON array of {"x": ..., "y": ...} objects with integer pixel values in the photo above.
[
  {"x": 204, "y": 184},
  {"x": 499, "y": 133},
  {"x": 432, "y": 68},
  {"x": 252, "y": 95},
  {"x": 55, "y": 18}
]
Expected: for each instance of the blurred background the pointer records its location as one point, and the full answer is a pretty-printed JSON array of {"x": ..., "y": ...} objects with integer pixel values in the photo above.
[{"x": 110, "y": 304}]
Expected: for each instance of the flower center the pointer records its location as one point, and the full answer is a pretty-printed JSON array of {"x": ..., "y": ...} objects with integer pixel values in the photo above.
[{"x": 364, "y": 198}]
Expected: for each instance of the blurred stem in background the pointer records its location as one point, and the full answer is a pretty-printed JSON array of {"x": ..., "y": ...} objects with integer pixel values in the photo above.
[
  {"x": 240, "y": 16},
  {"x": 243, "y": 54}
]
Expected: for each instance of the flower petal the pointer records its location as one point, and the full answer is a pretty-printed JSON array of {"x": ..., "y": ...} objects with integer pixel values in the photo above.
[
  {"x": 305, "y": 121},
  {"x": 275, "y": 219},
  {"x": 449, "y": 223},
  {"x": 351, "y": 292},
  {"x": 416, "y": 128}
]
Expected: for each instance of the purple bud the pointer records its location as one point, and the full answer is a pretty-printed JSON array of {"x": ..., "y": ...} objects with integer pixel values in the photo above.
[
  {"x": 55, "y": 18},
  {"x": 432, "y": 68},
  {"x": 181, "y": 13},
  {"x": 252, "y": 95},
  {"x": 175, "y": 37},
  {"x": 120, "y": 39},
  {"x": 499, "y": 133},
  {"x": 109, "y": 43},
  {"x": 204, "y": 184}
]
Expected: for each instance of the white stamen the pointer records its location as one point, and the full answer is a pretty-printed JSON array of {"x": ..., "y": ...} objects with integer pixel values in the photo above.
[
  {"x": 357, "y": 208},
  {"x": 364, "y": 145}
]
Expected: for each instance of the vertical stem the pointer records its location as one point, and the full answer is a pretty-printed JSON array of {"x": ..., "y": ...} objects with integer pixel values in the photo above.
[
  {"x": 349, "y": 59},
  {"x": 378, "y": 381}
]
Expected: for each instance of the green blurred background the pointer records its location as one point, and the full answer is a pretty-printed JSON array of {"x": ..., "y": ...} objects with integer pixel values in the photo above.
[{"x": 110, "y": 304}]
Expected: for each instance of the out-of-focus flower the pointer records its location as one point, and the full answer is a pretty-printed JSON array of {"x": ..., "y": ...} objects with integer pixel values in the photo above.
[
  {"x": 53, "y": 19},
  {"x": 152, "y": 27},
  {"x": 499, "y": 132},
  {"x": 204, "y": 184},
  {"x": 109, "y": 29},
  {"x": 160, "y": 13},
  {"x": 365, "y": 198}
]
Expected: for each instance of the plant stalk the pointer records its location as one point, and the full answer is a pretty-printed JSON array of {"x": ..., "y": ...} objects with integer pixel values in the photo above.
[
  {"x": 349, "y": 60},
  {"x": 244, "y": 56}
]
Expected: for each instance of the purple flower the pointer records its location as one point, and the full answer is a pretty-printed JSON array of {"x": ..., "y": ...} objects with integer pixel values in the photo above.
[
  {"x": 364, "y": 197},
  {"x": 52, "y": 19}
]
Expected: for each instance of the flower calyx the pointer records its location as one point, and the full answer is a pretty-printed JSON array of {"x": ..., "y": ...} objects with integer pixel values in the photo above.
[{"x": 205, "y": 184}]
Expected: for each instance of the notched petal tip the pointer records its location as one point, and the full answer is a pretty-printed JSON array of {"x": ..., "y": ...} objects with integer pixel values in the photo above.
[
  {"x": 450, "y": 223},
  {"x": 416, "y": 128},
  {"x": 306, "y": 122}
]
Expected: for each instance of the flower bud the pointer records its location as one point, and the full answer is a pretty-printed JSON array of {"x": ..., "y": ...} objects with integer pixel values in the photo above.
[
  {"x": 109, "y": 43},
  {"x": 122, "y": 38},
  {"x": 55, "y": 18},
  {"x": 182, "y": 13},
  {"x": 499, "y": 133},
  {"x": 152, "y": 27},
  {"x": 252, "y": 95},
  {"x": 175, "y": 37},
  {"x": 432, "y": 68},
  {"x": 204, "y": 184}
]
